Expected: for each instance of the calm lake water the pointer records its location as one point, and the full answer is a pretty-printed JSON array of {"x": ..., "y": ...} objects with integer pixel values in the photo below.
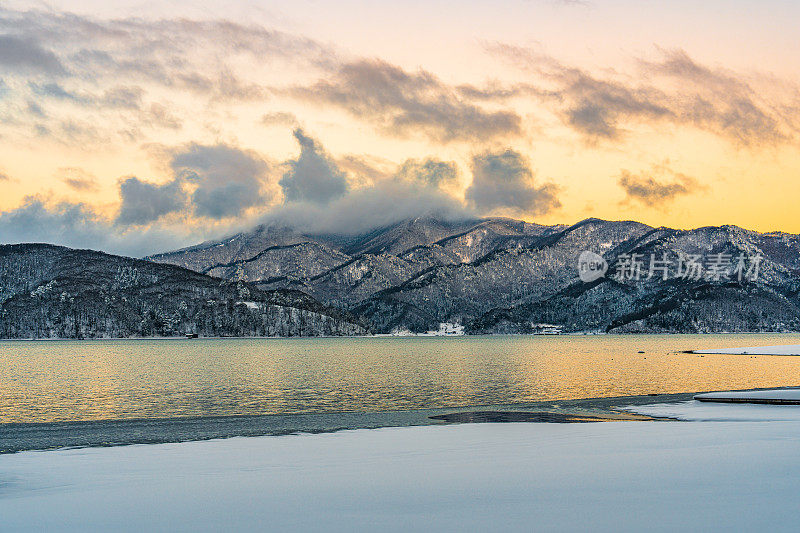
[{"x": 48, "y": 381}]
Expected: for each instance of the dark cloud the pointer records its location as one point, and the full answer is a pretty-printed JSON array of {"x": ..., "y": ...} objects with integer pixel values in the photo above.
[
  {"x": 645, "y": 189},
  {"x": 227, "y": 180},
  {"x": 594, "y": 107},
  {"x": 35, "y": 109},
  {"x": 27, "y": 54},
  {"x": 720, "y": 102},
  {"x": 406, "y": 103},
  {"x": 429, "y": 172},
  {"x": 599, "y": 107},
  {"x": 65, "y": 223},
  {"x": 119, "y": 97},
  {"x": 4, "y": 176},
  {"x": 143, "y": 202},
  {"x": 77, "y": 179},
  {"x": 504, "y": 182},
  {"x": 279, "y": 118},
  {"x": 52, "y": 90},
  {"x": 678, "y": 64},
  {"x": 313, "y": 176}
]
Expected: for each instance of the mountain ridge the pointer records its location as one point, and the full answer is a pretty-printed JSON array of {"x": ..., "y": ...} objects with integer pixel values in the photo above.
[
  {"x": 49, "y": 291},
  {"x": 416, "y": 273}
]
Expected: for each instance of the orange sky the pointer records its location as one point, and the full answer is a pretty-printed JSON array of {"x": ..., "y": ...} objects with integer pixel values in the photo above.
[{"x": 673, "y": 114}]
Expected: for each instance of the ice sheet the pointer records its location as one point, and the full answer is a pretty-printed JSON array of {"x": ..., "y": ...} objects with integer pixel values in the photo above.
[{"x": 610, "y": 476}]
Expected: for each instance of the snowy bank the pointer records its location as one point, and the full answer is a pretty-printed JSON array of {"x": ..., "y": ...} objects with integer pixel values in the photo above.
[
  {"x": 771, "y": 396},
  {"x": 696, "y": 411},
  {"x": 609, "y": 476},
  {"x": 789, "y": 349}
]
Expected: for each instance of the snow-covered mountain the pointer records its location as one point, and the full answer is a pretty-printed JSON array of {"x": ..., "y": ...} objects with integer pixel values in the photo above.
[
  {"x": 54, "y": 292},
  {"x": 505, "y": 275}
]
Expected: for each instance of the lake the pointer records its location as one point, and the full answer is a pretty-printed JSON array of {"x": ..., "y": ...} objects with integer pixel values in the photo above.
[{"x": 53, "y": 381}]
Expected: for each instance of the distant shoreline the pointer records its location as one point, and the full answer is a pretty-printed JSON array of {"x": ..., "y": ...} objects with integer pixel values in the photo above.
[{"x": 389, "y": 336}]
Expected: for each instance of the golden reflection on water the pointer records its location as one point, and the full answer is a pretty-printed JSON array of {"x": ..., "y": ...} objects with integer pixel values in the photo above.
[{"x": 46, "y": 381}]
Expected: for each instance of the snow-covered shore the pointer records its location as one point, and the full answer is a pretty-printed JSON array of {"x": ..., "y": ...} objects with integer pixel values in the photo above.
[{"x": 611, "y": 476}]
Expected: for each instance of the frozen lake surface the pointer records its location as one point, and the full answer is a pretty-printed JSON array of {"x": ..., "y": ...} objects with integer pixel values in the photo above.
[{"x": 733, "y": 474}]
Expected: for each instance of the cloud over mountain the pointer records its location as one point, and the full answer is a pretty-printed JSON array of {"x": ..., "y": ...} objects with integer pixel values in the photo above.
[
  {"x": 429, "y": 172},
  {"x": 226, "y": 179},
  {"x": 313, "y": 176},
  {"x": 143, "y": 202},
  {"x": 503, "y": 181}
]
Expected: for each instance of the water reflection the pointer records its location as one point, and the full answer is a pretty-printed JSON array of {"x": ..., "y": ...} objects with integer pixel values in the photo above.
[{"x": 91, "y": 380}]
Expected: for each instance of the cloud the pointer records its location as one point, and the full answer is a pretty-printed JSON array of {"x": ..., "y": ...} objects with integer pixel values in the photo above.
[
  {"x": 77, "y": 179},
  {"x": 79, "y": 226},
  {"x": 645, "y": 189},
  {"x": 212, "y": 189},
  {"x": 117, "y": 97},
  {"x": 120, "y": 64},
  {"x": 71, "y": 224},
  {"x": 159, "y": 115},
  {"x": 365, "y": 170},
  {"x": 35, "y": 109},
  {"x": 721, "y": 101},
  {"x": 503, "y": 182},
  {"x": 674, "y": 89},
  {"x": 364, "y": 209},
  {"x": 143, "y": 202},
  {"x": 123, "y": 97},
  {"x": 227, "y": 180},
  {"x": 313, "y": 176},
  {"x": 429, "y": 172},
  {"x": 594, "y": 107},
  {"x": 4, "y": 176},
  {"x": 52, "y": 90},
  {"x": 26, "y": 53},
  {"x": 279, "y": 118},
  {"x": 399, "y": 102},
  {"x": 179, "y": 53}
]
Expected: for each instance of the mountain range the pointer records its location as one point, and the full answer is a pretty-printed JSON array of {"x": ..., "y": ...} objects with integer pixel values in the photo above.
[
  {"x": 505, "y": 275},
  {"x": 493, "y": 275},
  {"x": 55, "y": 292}
]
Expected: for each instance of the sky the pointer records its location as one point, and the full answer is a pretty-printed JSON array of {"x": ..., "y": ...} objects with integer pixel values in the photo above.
[{"x": 148, "y": 126}]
